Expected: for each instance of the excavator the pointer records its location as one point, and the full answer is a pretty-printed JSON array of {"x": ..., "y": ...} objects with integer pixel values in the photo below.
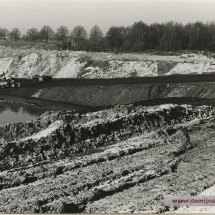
[{"x": 8, "y": 81}]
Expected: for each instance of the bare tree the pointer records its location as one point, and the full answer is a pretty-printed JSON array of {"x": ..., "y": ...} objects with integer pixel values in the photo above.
[
  {"x": 62, "y": 33},
  {"x": 3, "y": 33},
  {"x": 79, "y": 35},
  {"x": 96, "y": 38},
  {"x": 15, "y": 34},
  {"x": 46, "y": 32},
  {"x": 32, "y": 34},
  {"x": 96, "y": 33},
  {"x": 114, "y": 37}
]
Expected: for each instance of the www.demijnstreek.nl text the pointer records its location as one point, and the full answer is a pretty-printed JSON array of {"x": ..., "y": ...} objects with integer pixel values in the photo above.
[{"x": 188, "y": 201}]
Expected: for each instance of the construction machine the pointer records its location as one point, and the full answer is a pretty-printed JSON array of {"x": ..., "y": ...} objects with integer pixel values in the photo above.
[{"x": 8, "y": 81}]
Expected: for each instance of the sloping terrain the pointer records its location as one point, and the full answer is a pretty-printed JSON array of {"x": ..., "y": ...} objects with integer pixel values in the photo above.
[
  {"x": 115, "y": 160},
  {"x": 197, "y": 90},
  {"x": 64, "y": 64},
  {"x": 100, "y": 95},
  {"x": 106, "y": 95}
]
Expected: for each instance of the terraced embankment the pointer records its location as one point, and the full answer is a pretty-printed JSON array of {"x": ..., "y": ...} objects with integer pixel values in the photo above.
[
  {"x": 116, "y": 160},
  {"x": 85, "y": 95},
  {"x": 105, "y": 95},
  {"x": 20, "y": 63}
]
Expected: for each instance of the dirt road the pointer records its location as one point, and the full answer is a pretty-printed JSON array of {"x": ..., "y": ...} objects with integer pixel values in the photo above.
[{"x": 121, "y": 81}]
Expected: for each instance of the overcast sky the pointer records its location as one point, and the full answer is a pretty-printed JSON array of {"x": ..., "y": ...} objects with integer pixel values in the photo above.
[{"x": 25, "y": 14}]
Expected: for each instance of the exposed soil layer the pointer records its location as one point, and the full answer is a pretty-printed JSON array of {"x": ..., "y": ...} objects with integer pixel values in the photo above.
[
  {"x": 69, "y": 64},
  {"x": 99, "y": 95},
  {"x": 107, "y": 95},
  {"x": 115, "y": 160},
  {"x": 206, "y": 90}
]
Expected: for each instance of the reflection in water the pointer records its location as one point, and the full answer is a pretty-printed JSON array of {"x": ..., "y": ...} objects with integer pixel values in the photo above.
[
  {"x": 18, "y": 109},
  {"x": 2, "y": 108},
  {"x": 13, "y": 112},
  {"x": 34, "y": 110},
  {"x": 15, "y": 108}
]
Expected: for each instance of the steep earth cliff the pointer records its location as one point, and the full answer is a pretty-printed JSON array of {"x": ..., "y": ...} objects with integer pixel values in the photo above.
[{"x": 65, "y": 64}]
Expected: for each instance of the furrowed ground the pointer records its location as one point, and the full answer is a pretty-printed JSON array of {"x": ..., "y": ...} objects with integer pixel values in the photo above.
[{"x": 121, "y": 159}]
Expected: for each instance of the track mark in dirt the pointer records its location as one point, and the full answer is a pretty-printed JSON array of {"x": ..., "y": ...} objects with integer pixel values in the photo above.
[{"x": 157, "y": 150}]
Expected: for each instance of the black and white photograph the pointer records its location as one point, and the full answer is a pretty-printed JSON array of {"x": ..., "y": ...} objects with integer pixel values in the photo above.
[{"x": 107, "y": 106}]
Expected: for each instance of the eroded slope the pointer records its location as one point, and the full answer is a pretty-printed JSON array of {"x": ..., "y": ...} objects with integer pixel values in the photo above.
[
  {"x": 64, "y": 64},
  {"x": 116, "y": 160}
]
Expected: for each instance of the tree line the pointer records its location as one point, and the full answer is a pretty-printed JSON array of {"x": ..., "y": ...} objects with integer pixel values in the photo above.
[{"x": 169, "y": 36}]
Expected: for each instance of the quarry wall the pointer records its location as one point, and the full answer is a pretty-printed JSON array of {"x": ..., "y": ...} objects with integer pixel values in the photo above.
[{"x": 69, "y": 64}]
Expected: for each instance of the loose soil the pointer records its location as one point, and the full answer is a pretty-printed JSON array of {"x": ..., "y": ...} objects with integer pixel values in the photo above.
[{"x": 121, "y": 159}]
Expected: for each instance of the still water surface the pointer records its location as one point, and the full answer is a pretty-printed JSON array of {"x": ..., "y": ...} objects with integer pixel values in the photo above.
[
  {"x": 15, "y": 109},
  {"x": 13, "y": 113}
]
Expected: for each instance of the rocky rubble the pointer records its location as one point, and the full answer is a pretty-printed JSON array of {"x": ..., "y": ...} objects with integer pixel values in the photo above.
[
  {"x": 69, "y": 135},
  {"x": 75, "y": 162}
]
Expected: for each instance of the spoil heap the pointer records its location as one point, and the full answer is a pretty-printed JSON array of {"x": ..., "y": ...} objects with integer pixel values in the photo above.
[{"x": 97, "y": 162}]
